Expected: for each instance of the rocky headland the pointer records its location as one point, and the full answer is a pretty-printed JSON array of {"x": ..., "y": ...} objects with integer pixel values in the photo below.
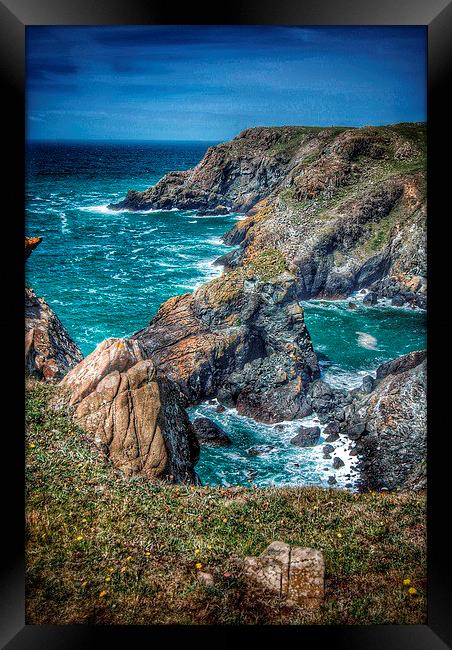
[
  {"x": 344, "y": 208},
  {"x": 329, "y": 211}
]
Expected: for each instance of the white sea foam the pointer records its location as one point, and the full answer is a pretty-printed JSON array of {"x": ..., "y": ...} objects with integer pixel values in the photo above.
[
  {"x": 104, "y": 209},
  {"x": 215, "y": 241},
  {"x": 367, "y": 341}
]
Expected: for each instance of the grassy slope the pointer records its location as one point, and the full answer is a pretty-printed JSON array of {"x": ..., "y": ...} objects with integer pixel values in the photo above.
[{"x": 103, "y": 549}]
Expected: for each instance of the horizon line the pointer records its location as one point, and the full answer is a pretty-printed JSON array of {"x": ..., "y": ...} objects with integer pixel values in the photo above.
[{"x": 145, "y": 140}]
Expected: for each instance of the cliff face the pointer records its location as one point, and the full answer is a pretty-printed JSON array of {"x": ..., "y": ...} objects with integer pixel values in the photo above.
[
  {"x": 351, "y": 217},
  {"x": 346, "y": 208},
  {"x": 231, "y": 176},
  {"x": 49, "y": 350},
  {"x": 243, "y": 335},
  {"x": 390, "y": 425}
]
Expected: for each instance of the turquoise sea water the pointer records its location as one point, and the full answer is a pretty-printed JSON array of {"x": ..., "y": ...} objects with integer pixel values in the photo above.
[{"x": 105, "y": 274}]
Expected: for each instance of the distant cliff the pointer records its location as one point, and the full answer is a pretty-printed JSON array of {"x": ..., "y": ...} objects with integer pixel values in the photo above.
[{"x": 344, "y": 207}]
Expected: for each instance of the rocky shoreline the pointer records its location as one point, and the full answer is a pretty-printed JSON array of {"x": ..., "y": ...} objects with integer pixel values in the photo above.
[{"x": 329, "y": 212}]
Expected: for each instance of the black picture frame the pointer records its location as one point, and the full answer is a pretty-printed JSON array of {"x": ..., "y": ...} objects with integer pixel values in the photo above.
[{"x": 436, "y": 15}]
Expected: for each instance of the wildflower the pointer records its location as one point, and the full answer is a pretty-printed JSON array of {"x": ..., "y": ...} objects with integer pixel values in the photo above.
[
  {"x": 128, "y": 558},
  {"x": 339, "y": 535},
  {"x": 412, "y": 591},
  {"x": 79, "y": 538},
  {"x": 226, "y": 574},
  {"x": 407, "y": 582},
  {"x": 197, "y": 551},
  {"x": 32, "y": 445},
  {"x": 84, "y": 583},
  {"x": 209, "y": 546},
  {"x": 224, "y": 520},
  {"x": 147, "y": 553},
  {"x": 198, "y": 565},
  {"x": 107, "y": 579},
  {"x": 102, "y": 594}
]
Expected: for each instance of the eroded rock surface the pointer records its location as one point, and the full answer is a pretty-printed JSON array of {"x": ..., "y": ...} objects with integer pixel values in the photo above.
[
  {"x": 135, "y": 414},
  {"x": 389, "y": 426},
  {"x": 295, "y": 573},
  {"x": 49, "y": 350},
  {"x": 240, "y": 337},
  {"x": 210, "y": 434},
  {"x": 345, "y": 207}
]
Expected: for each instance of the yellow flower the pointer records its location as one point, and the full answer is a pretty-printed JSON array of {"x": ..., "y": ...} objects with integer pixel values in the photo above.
[
  {"x": 102, "y": 594},
  {"x": 209, "y": 546},
  {"x": 407, "y": 582},
  {"x": 32, "y": 445},
  {"x": 412, "y": 591},
  {"x": 84, "y": 583},
  {"x": 197, "y": 551},
  {"x": 79, "y": 538},
  {"x": 128, "y": 558},
  {"x": 107, "y": 579},
  {"x": 198, "y": 565},
  {"x": 147, "y": 553},
  {"x": 224, "y": 520},
  {"x": 339, "y": 535}
]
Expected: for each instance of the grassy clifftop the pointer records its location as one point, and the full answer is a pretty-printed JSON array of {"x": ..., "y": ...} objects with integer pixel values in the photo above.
[{"x": 103, "y": 549}]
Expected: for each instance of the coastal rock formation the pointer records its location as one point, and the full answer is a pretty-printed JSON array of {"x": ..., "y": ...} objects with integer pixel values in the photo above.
[
  {"x": 306, "y": 437},
  {"x": 350, "y": 216},
  {"x": 210, "y": 434},
  {"x": 111, "y": 355},
  {"x": 134, "y": 413},
  {"x": 30, "y": 245},
  {"x": 49, "y": 350},
  {"x": 390, "y": 426},
  {"x": 231, "y": 176},
  {"x": 242, "y": 337},
  {"x": 344, "y": 207}
]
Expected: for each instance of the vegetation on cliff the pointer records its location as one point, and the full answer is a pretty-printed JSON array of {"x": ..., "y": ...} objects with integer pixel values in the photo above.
[{"x": 105, "y": 549}]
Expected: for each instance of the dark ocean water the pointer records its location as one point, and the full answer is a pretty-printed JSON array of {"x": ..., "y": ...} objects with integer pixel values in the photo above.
[{"x": 105, "y": 273}]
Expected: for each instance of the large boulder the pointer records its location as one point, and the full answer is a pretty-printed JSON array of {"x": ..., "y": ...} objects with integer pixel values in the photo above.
[
  {"x": 134, "y": 414},
  {"x": 111, "y": 355},
  {"x": 49, "y": 350},
  {"x": 306, "y": 437},
  {"x": 210, "y": 434}
]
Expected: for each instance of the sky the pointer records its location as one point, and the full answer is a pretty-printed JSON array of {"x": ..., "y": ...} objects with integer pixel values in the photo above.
[{"x": 211, "y": 82}]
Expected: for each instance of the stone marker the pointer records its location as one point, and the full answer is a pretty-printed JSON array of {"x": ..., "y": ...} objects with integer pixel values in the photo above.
[{"x": 295, "y": 573}]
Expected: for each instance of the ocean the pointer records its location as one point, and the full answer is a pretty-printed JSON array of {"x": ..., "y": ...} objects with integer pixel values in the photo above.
[{"x": 105, "y": 273}]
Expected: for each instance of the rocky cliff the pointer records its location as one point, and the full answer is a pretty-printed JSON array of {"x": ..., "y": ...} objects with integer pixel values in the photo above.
[
  {"x": 231, "y": 176},
  {"x": 242, "y": 337},
  {"x": 49, "y": 350},
  {"x": 389, "y": 425},
  {"x": 344, "y": 207}
]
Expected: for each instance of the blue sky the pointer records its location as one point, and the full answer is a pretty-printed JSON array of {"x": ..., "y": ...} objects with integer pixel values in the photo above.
[{"x": 211, "y": 82}]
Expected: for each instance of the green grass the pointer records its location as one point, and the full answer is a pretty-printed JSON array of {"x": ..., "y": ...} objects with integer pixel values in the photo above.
[
  {"x": 89, "y": 531},
  {"x": 266, "y": 264}
]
